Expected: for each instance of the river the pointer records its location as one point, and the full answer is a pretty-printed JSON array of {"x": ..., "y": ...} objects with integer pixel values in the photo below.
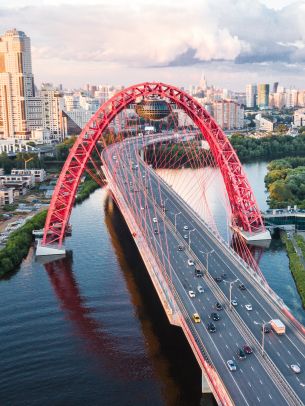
[{"x": 90, "y": 329}]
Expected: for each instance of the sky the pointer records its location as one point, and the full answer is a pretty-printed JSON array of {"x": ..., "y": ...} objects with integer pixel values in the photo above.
[{"x": 232, "y": 42}]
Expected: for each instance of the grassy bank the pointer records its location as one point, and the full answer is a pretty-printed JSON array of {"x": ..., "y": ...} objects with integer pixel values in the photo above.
[
  {"x": 85, "y": 190},
  {"x": 296, "y": 266},
  {"x": 18, "y": 244}
]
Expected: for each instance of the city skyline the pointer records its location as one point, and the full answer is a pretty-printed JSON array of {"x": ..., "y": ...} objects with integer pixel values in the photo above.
[{"x": 138, "y": 44}]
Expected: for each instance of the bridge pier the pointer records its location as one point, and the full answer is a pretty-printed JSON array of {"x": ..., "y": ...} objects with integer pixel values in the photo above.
[
  {"x": 49, "y": 250},
  {"x": 205, "y": 388}
]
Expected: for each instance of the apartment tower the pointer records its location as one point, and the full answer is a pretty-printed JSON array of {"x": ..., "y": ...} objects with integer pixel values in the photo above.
[{"x": 16, "y": 84}]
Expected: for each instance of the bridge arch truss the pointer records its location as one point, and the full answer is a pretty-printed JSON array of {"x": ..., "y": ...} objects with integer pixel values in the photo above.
[{"x": 244, "y": 209}]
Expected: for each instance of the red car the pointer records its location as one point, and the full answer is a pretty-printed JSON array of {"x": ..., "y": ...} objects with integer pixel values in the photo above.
[{"x": 247, "y": 349}]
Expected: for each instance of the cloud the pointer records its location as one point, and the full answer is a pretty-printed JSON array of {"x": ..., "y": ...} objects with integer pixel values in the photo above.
[{"x": 161, "y": 33}]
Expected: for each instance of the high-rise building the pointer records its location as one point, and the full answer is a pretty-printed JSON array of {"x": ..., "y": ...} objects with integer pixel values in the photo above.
[
  {"x": 263, "y": 96},
  {"x": 16, "y": 84},
  {"x": 52, "y": 106},
  {"x": 228, "y": 114},
  {"x": 251, "y": 94}
]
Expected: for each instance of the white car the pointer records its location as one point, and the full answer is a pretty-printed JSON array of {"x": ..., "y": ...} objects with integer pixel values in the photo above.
[
  {"x": 185, "y": 236},
  {"x": 142, "y": 208},
  {"x": 248, "y": 307},
  {"x": 231, "y": 365},
  {"x": 114, "y": 157},
  {"x": 190, "y": 262},
  {"x": 234, "y": 302},
  {"x": 191, "y": 293},
  {"x": 185, "y": 227},
  {"x": 200, "y": 289},
  {"x": 296, "y": 369},
  {"x": 155, "y": 220}
]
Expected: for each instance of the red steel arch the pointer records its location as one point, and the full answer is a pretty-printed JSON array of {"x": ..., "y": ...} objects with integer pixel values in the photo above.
[{"x": 245, "y": 211}]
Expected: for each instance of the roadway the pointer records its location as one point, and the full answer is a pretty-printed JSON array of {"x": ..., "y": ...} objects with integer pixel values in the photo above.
[{"x": 258, "y": 379}]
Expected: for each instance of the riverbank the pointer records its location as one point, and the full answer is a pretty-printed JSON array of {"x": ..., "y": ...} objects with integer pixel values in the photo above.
[
  {"x": 285, "y": 182},
  {"x": 295, "y": 247},
  {"x": 18, "y": 244},
  {"x": 85, "y": 189}
]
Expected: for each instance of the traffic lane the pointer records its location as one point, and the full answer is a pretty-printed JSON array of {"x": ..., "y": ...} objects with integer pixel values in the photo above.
[
  {"x": 258, "y": 315},
  {"x": 153, "y": 237},
  {"x": 281, "y": 362},
  {"x": 283, "y": 369},
  {"x": 233, "y": 349},
  {"x": 253, "y": 370},
  {"x": 159, "y": 193}
]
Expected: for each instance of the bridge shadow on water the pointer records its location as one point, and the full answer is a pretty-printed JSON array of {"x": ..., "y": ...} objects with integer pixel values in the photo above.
[{"x": 173, "y": 359}]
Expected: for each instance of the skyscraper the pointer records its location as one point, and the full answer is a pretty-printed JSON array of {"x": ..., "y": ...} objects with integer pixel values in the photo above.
[
  {"x": 251, "y": 93},
  {"x": 263, "y": 95},
  {"x": 16, "y": 84}
]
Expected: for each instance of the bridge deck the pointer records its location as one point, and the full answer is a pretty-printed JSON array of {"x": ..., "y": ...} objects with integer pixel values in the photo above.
[{"x": 259, "y": 380}]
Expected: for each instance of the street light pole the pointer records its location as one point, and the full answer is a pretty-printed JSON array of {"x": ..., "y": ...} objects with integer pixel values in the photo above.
[
  {"x": 231, "y": 285},
  {"x": 163, "y": 205},
  {"x": 208, "y": 253},
  {"x": 176, "y": 214},
  {"x": 190, "y": 237},
  {"x": 263, "y": 338}
]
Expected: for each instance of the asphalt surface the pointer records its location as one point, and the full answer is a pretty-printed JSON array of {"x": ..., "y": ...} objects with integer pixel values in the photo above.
[{"x": 258, "y": 380}]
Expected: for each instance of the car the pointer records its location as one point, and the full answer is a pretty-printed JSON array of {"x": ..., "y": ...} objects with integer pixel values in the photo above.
[
  {"x": 234, "y": 302},
  {"x": 215, "y": 316},
  {"x": 218, "y": 279},
  {"x": 211, "y": 327},
  {"x": 142, "y": 208},
  {"x": 196, "y": 318},
  {"x": 198, "y": 273},
  {"x": 180, "y": 248},
  {"x": 242, "y": 286},
  {"x": 114, "y": 157},
  {"x": 185, "y": 228},
  {"x": 241, "y": 353},
  {"x": 155, "y": 220},
  {"x": 231, "y": 365},
  {"x": 200, "y": 289},
  {"x": 296, "y": 369},
  {"x": 143, "y": 176},
  {"x": 266, "y": 328},
  {"x": 191, "y": 293},
  {"x": 219, "y": 306},
  {"x": 247, "y": 349},
  {"x": 156, "y": 231},
  {"x": 185, "y": 236},
  {"x": 248, "y": 307},
  {"x": 190, "y": 262}
]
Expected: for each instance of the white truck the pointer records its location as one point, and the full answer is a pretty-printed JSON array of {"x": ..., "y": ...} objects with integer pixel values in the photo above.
[{"x": 278, "y": 326}]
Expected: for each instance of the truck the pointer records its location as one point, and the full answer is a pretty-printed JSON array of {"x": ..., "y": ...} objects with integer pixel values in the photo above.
[{"x": 278, "y": 326}]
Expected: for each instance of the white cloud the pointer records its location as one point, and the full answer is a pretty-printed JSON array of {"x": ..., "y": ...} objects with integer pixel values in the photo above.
[{"x": 145, "y": 33}]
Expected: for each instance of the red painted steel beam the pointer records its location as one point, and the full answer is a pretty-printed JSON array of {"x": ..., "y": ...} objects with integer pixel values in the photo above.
[{"x": 245, "y": 211}]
